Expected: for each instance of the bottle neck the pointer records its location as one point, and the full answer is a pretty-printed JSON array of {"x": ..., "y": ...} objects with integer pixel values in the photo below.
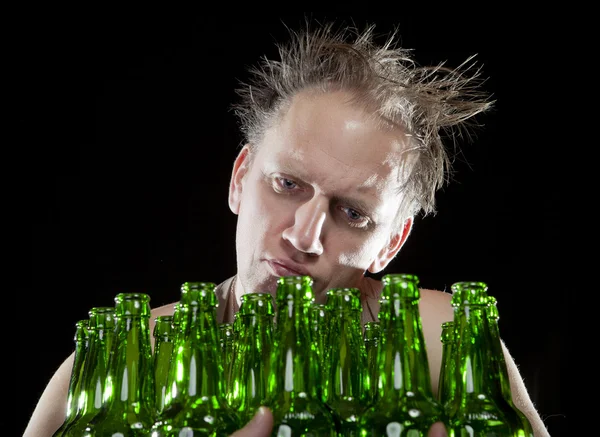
[
  {"x": 96, "y": 370},
  {"x": 498, "y": 357},
  {"x": 76, "y": 382},
  {"x": 294, "y": 359},
  {"x": 204, "y": 380},
  {"x": 473, "y": 352},
  {"x": 447, "y": 369},
  {"x": 402, "y": 356},
  {"x": 250, "y": 364},
  {"x": 130, "y": 382},
  {"x": 346, "y": 359}
]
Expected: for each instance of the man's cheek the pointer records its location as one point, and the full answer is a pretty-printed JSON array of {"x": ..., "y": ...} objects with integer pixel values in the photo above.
[{"x": 352, "y": 258}]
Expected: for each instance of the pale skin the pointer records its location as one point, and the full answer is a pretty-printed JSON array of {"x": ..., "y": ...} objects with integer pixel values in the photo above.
[{"x": 317, "y": 196}]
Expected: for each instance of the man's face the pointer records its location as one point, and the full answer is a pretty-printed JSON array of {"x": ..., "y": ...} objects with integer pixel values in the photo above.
[{"x": 319, "y": 197}]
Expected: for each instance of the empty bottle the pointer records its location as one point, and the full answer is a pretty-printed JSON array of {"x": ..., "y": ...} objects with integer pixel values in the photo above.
[
  {"x": 251, "y": 356},
  {"x": 448, "y": 364},
  {"x": 101, "y": 329},
  {"x": 346, "y": 368},
  {"x": 199, "y": 408},
  {"x": 75, "y": 382},
  {"x": 371, "y": 338},
  {"x": 293, "y": 398},
  {"x": 477, "y": 406},
  {"x": 128, "y": 410},
  {"x": 405, "y": 405},
  {"x": 164, "y": 341}
]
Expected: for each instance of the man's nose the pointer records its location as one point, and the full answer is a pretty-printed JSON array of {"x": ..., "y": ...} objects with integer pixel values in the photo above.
[{"x": 306, "y": 232}]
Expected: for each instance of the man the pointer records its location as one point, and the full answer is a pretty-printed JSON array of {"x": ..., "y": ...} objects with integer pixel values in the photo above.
[{"x": 343, "y": 149}]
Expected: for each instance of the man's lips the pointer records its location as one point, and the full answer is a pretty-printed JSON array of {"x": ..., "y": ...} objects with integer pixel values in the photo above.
[{"x": 285, "y": 268}]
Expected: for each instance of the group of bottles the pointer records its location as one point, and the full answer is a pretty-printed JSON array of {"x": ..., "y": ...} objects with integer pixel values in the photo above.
[{"x": 313, "y": 365}]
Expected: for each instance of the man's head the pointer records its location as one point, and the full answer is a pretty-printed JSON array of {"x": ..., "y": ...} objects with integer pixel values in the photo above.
[{"x": 343, "y": 148}]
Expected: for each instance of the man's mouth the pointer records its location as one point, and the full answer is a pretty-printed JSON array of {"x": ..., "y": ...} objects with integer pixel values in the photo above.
[{"x": 283, "y": 268}]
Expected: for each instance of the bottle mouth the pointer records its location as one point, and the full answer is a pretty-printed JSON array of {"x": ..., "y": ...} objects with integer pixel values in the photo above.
[
  {"x": 295, "y": 288},
  {"x": 400, "y": 286},
  {"x": 132, "y": 304},
  {"x": 257, "y": 304},
  {"x": 199, "y": 293},
  {"x": 102, "y": 317},
  {"x": 469, "y": 293},
  {"x": 343, "y": 299}
]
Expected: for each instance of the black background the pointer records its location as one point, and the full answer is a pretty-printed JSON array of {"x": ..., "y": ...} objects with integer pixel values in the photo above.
[{"x": 132, "y": 144}]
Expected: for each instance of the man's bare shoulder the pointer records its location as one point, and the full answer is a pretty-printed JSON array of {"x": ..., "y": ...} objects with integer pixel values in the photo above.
[
  {"x": 436, "y": 304},
  {"x": 433, "y": 304},
  {"x": 164, "y": 310}
]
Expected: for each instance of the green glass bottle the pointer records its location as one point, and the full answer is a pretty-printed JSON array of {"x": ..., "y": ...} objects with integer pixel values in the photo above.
[
  {"x": 226, "y": 339},
  {"x": 75, "y": 382},
  {"x": 319, "y": 328},
  {"x": 371, "y": 338},
  {"x": 500, "y": 363},
  {"x": 227, "y": 346},
  {"x": 129, "y": 393},
  {"x": 251, "y": 359},
  {"x": 178, "y": 314},
  {"x": 293, "y": 398},
  {"x": 346, "y": 365},
  {"x": 405, "y": 405},
  {"x": 164, "y": 341},
  {"x": 199, "y": 408},
  {"x": 186, "y": 311},
  {"x": 478, "y": 407},
  {"x": 448, "y": 364},
  {"x": 101, "y": 335}
]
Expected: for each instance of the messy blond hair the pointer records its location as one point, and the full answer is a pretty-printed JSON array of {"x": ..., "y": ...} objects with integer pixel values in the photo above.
[{"x": 426, "y": 101}]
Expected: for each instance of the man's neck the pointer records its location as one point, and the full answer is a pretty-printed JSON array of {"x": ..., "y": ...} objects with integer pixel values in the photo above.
[
  {"x": 228, "y": 302},
  {"x": 230, "y": 294}
]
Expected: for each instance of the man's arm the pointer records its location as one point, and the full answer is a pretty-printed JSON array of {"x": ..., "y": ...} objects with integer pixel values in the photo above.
[
  {"x": 521, "y": 398},
  {"x": 50, "y": 411}
]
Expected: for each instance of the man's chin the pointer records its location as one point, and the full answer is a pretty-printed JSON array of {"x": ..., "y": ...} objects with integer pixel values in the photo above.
[{"x": 266, "y": 285}]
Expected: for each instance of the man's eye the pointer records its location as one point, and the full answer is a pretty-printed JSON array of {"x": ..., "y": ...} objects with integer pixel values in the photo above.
[
  {"x": 355, "y": 218},
  {"x": 353, "y": 214},
  {"x": 286, "y": 184}
]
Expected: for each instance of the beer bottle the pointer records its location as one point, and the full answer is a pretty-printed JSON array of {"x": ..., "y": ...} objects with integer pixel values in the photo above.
[
  {"x": 74, "y": 392},
  {"x": 405, "y": 404},
  {"x": 101, "y": 334},
  {"x": 477, "y": 406},
  {"x": 164, "y": 336},
  {"x": 185, "y": 312},
  {"x": 448, "y": 363},
  {"x": 346, "y": 365},
  {"x": 178, "y": 314},
  {"x": 226, "y": 339},
  {"x": 371, "y": 338},
  {"x": 293, "y": 398},
  {"x": 250, "y": 360},
  {"x": 129, "y": 393},
  {"x": 319, "y": 330},
  {"x": 500, "y": 362},
  {"x": 199, "y": 407},
  {"x": 227, "y": 346}
]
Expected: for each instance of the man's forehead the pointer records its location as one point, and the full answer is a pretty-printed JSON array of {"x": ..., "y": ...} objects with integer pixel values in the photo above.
[{"x": 290, "y": 160}]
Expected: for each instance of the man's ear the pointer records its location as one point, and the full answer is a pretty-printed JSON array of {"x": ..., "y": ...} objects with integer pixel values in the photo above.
[
  {"x": 391, "y": 249},
  {"x": 240, "y": 168}
]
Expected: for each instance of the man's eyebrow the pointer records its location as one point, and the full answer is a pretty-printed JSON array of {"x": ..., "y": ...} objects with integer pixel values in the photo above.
[{"x": 287, "y": 167}]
